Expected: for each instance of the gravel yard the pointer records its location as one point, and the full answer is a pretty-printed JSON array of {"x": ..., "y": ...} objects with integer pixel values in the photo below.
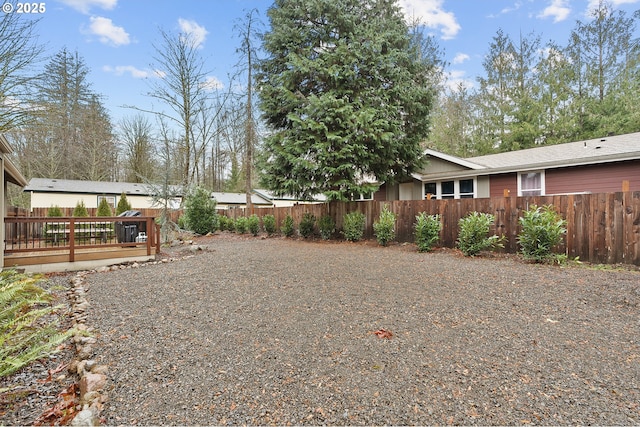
[
  {"x": 277, "y": 331},
  {"x": 280, "y": 331}
]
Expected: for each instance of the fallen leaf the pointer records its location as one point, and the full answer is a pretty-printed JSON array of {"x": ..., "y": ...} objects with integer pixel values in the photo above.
[{"x": 383, "y": 333}]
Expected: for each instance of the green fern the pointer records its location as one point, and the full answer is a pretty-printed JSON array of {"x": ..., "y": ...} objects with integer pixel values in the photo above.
[{"x": 27, "y": 331}]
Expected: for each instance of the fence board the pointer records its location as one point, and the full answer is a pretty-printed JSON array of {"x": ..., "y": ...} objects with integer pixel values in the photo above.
[{"x": 601, "y": 228}]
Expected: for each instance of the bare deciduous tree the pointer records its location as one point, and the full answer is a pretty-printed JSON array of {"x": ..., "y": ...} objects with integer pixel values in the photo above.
[
  {"x": 181, "y": 89},
  {"x": 138, "y": 148},
  {"x": 19, "y": 51}
]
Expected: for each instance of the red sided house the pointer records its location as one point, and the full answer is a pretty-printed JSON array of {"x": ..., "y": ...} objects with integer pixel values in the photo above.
[{"x": 602, "y": 165}]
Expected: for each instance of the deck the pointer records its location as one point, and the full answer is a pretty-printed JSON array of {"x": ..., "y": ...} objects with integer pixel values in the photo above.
[{"x": 66, "y": 243}]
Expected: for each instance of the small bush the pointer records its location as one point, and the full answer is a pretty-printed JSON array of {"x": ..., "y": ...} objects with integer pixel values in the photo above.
[
  {"x": 326, "y": 227},
  {"x": 353, "y": 228},
  {"x": 385, "y": 227},
  {"x": 474, "y": 236},
  {"x": 254, "y": 224},
  {"x": 269, "y": 224},
  {"x": 182, "y": 223},
  {"x": 542, "y": 229},
  {"x": 222, "y": 222},
  {"x": 80, "y": 211},
  {"x": 54, "y": 211},
  {"x": 123, "y": 204},
  {"x": 104, "y": 209},
  {"x": 287, "y": 227},
  {"x": 242, "y": 225},
  {"x": 200, "y": 211},
  {"x": 230, "y": 224},
  {"x": 427, "y": 231},
  {"x": 307, "y": 225}
]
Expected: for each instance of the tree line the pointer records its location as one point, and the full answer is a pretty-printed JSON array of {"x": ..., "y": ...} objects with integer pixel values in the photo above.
[
  {"x": 535, "y": 94},
  {"x": 348, "y": 94}
]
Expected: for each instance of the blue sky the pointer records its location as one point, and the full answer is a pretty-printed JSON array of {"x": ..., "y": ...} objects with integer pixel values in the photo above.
[{"x": 116, "y": 37}]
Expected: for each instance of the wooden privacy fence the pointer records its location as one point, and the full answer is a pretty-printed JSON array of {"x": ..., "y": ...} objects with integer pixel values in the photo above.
[{"x": 601, "y": 228}]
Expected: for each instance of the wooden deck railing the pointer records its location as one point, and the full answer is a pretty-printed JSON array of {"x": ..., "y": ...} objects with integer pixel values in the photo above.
[{"x": 37, "y": 235}]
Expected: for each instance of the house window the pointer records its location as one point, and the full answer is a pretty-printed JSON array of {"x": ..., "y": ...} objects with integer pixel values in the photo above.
[
  {"x": 110, "y": 199},
  {"x": 531, "y": 183},
  {"x": 363, "y": 196},
  {"x": 447, "y": 190},
  {"x": 466, "y": 188},
  {"x": 430, "y": 190},
  {"x": 458, "y": 189}
]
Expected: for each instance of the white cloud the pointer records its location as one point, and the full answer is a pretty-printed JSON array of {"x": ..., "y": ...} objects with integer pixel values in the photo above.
[
  {"x": 558, "y": 10},
  {"x": 212, "y": 83},
  {"x": 433, "y": 16},
  {"x": 456, "y": 79},
  {"x": 460, "y": 58},
  {"x": 107, "y": 31},
  {"x": 84, "y": 6},
  {"x": 595, "y": 4},
  {"x": 120, "y": 70},
  {"x": 196, "y": 33}
]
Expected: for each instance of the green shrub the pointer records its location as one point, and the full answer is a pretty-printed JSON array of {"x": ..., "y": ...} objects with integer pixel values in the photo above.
[
  {"x": 542, "y": 229},
  {"x": 385, "y": 227},
  {"x": 230, "y": 225},
  {"x": 104, "y": 209},
  {"x": 326, "y": 227},
  {"x": 222, "y": 222},
  {"x": 474, "y": 236},
  {"x": 182, "y": 224},
  {"x": 54, "y": 211},
  {"x": 288, "y": 226},
  {"x": 353, "y": 227},
  {"x": 29, "y": 326},
  {"x": 80, "y": 211},
  {"x": 123, "y": 204},
  {"x": 427, "y": 231},
  {"x": 81, "y": 233},
  {"x": 307, "y": 225},
  {"x": 200, "y": 211},
  {"x": 269, "y": 224},
  {"x": 254, "y": 224},
  {"x": 241, "y": 224}
]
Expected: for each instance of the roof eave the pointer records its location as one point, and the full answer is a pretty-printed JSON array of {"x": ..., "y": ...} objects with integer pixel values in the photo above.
[{"x": 530, "y": 167}]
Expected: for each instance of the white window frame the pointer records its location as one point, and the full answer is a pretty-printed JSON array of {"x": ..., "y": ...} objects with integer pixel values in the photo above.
[
  {"x": 110, "y": 199},
  {"x": 456, "y": 188},
  {"x": 542, "y": 182},
  {"x": 361, "y": 197}
]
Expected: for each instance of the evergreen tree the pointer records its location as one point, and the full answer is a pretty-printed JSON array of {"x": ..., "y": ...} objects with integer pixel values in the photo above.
[
  {"x": 346, "y": 94},
  {"x": 104, "y": 209},
  {"x": 123, "y": 204},
  {"x": 600, "y": 50},
  {"x": 80, "y": 211}
]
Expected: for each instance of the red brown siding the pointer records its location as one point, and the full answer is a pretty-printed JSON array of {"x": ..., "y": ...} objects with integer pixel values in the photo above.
[
  {"x": 604, "y": 178},
  {"x": 505, "y": 181}
]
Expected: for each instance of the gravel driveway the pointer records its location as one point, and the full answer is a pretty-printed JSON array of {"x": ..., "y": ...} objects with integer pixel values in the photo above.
[{"x": 278, "y": 331}]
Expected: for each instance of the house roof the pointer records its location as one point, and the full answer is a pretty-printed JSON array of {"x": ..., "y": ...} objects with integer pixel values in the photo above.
[
  {"x": 49, "y": 185},
  {"x": 239, "y": 199},
  {"x": 586, "y": 152}
]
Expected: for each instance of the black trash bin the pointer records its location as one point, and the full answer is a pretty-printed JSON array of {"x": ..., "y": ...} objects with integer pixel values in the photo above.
[{"x": 127, "y": 232}]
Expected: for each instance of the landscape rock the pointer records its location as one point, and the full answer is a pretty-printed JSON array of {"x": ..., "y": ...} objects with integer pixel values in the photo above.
[
  {"x": 85, "y": 418},
  {"x": 91, "y": 382}
]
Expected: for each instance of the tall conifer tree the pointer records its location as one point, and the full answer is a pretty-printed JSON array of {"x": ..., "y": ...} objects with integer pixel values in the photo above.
[{"x": 346, "y": 96}]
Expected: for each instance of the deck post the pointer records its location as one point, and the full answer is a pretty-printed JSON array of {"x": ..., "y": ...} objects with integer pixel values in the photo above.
[{"x": 72, "y": 240}]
